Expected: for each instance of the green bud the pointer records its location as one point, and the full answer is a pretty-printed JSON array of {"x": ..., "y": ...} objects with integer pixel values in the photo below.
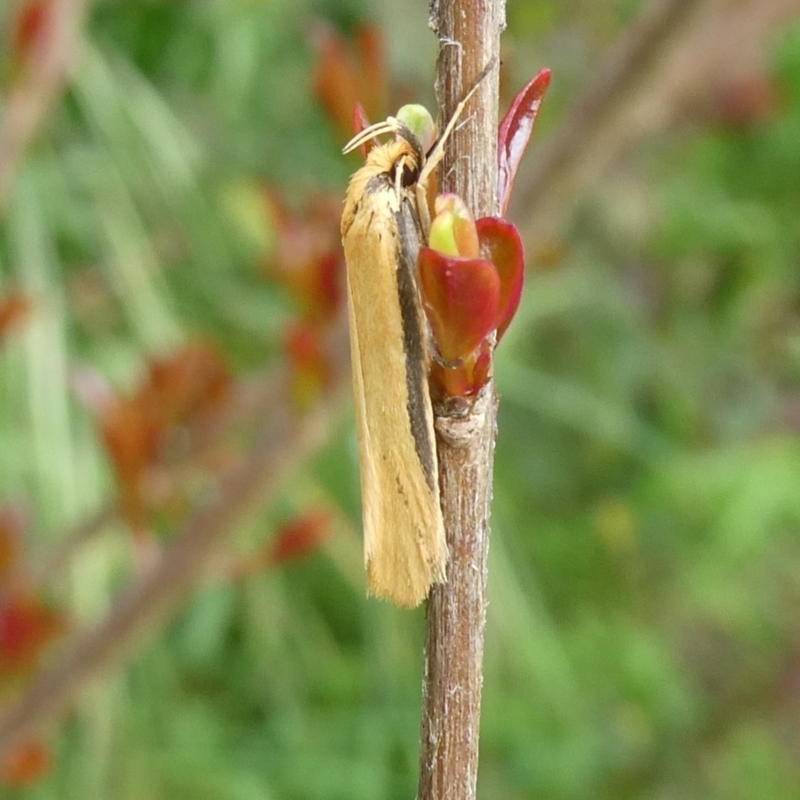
[{"x": 418, "y": 120}]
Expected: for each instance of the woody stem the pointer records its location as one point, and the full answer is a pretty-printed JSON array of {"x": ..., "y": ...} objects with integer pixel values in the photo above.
[{"x": 469, "y": 35}]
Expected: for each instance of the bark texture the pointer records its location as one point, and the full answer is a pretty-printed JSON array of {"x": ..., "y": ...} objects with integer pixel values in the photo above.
[{"x": 469, "y": 36}]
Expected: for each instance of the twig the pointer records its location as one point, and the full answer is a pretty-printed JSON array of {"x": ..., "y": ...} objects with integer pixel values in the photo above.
[
  {"x": 154, "y": 597},
  {"x": 469, "y": 34},
  {"x": 40, "y": 84}
]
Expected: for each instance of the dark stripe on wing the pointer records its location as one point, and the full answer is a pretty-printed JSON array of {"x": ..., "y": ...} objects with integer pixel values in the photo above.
[{"x": 414, "y": 341}]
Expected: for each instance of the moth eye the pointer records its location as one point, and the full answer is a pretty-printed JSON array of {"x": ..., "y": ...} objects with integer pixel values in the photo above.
[{"x": 409, "y": 176}]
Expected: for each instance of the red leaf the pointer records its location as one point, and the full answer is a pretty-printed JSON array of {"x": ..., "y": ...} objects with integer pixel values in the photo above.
[
  {"x": 482, "y": 366},
  {"x": 24, "y": 763},
  {"x": 744, "y": 101},
  {"x": 328, "y": 298},
  {"x": 501, "y": 244},
  {"x": 447, "y": 382},
  {"x": 310, "y": 372},
  {"x": 29, "y": 28},
  {"x": 515, "y": 132},
  {"x": 132, "y": 440},
  {"x": 360, "y": 123},
  {"x": 371, "y": 55},
  {"x": 464, "y": 380},
  {"x": 299, "y": 537},
  {"x": 13, "y": 309},
  {"x": 186, "y": 385},
  {"x": 343, "y": 75},
  {"x": 335, "y": 79},
  {"x": 27, "y": 625},
  {"x": 461, "y": 297},
  {"x": 306, "y": 258},
  {"x": 180, "y": 390},
  {"x": 11, "y": 526}
]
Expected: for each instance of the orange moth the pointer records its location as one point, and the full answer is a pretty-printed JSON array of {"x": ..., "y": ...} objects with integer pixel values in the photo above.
[{"x": 385, "y": 220}]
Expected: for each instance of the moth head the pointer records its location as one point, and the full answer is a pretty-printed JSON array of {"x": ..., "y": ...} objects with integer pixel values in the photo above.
[{"x": 413, "y": 129}]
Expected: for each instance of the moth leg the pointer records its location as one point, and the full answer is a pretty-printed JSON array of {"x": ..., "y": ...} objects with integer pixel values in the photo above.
[
  {"x": 420, "y": 197},
  {"x": 423, "y": 212},
  {"x": 398, "y": 175},
  {"x": 437, "y": 153}
]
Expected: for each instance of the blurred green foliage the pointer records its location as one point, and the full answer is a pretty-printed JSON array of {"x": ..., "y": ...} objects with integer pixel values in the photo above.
[{"x": 645, "y": 566}]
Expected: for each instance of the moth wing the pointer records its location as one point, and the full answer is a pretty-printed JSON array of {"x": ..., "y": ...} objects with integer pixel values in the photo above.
[{"x": 404, "y": 543}]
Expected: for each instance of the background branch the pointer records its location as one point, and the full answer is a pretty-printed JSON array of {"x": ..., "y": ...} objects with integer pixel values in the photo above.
[
  {"x": 250, "y": 401},
  {"x": 674, "y": 52},
  {"x": 147, "y": 605},
  {"x": 43, "y": 77}
]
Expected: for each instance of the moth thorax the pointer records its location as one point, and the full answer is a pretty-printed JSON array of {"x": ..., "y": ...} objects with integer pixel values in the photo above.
[{"x": 407, "y": 158}]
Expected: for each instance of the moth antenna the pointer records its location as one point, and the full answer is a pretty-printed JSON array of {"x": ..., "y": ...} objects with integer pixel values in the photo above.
[
  {"x": 437, "y": 153},
  {"x": 389, "y": 125}
]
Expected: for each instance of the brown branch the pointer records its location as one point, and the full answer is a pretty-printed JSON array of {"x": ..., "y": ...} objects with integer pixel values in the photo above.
[
  {"x": 40, "y": 84},
  {"x": 250, "y": 400},
  {"x": 156, "y": 595},
  {"x": 672, "y": 53},
  {"x": 469, "y": 36},
  {"x": 72, "y": 542},
  {"x": 569, "y": 160}
]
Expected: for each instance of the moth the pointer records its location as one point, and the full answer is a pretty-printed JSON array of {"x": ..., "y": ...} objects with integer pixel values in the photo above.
[{"x": 384, "y": 222}]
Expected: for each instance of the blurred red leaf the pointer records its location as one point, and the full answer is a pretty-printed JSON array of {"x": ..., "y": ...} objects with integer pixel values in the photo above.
[
  {"x": 179, "y": 391},
  {"x": 13, "y": 310},
  {"x": 27, "y": 625},
  {"x": 132, "y": 439},
  {"x": 309, "y": 366},
  {"x": 11, "y": 526},
  {"x": 328, "y": 285},
  {"x": 345, "y": 75},
  {"x": 298, "y": 537},
  {"x": 28, "y": 29},
  {"x": 293, "y": 539},
  {"x": 335, "y": 81},
  {"x": 186, "y": 385},
  {"x": 371, "y": 63},
  {"x": 515, "y": 132},
  {"x": 360, "y": 123},
  {"x": 744, "y": 101},
  {"x": 24, "y": 763},
  {"x": 307, "y": 257}
]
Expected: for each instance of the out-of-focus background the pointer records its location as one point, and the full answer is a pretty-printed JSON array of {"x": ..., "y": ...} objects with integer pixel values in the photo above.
[{"x": 179, "y": 516}]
